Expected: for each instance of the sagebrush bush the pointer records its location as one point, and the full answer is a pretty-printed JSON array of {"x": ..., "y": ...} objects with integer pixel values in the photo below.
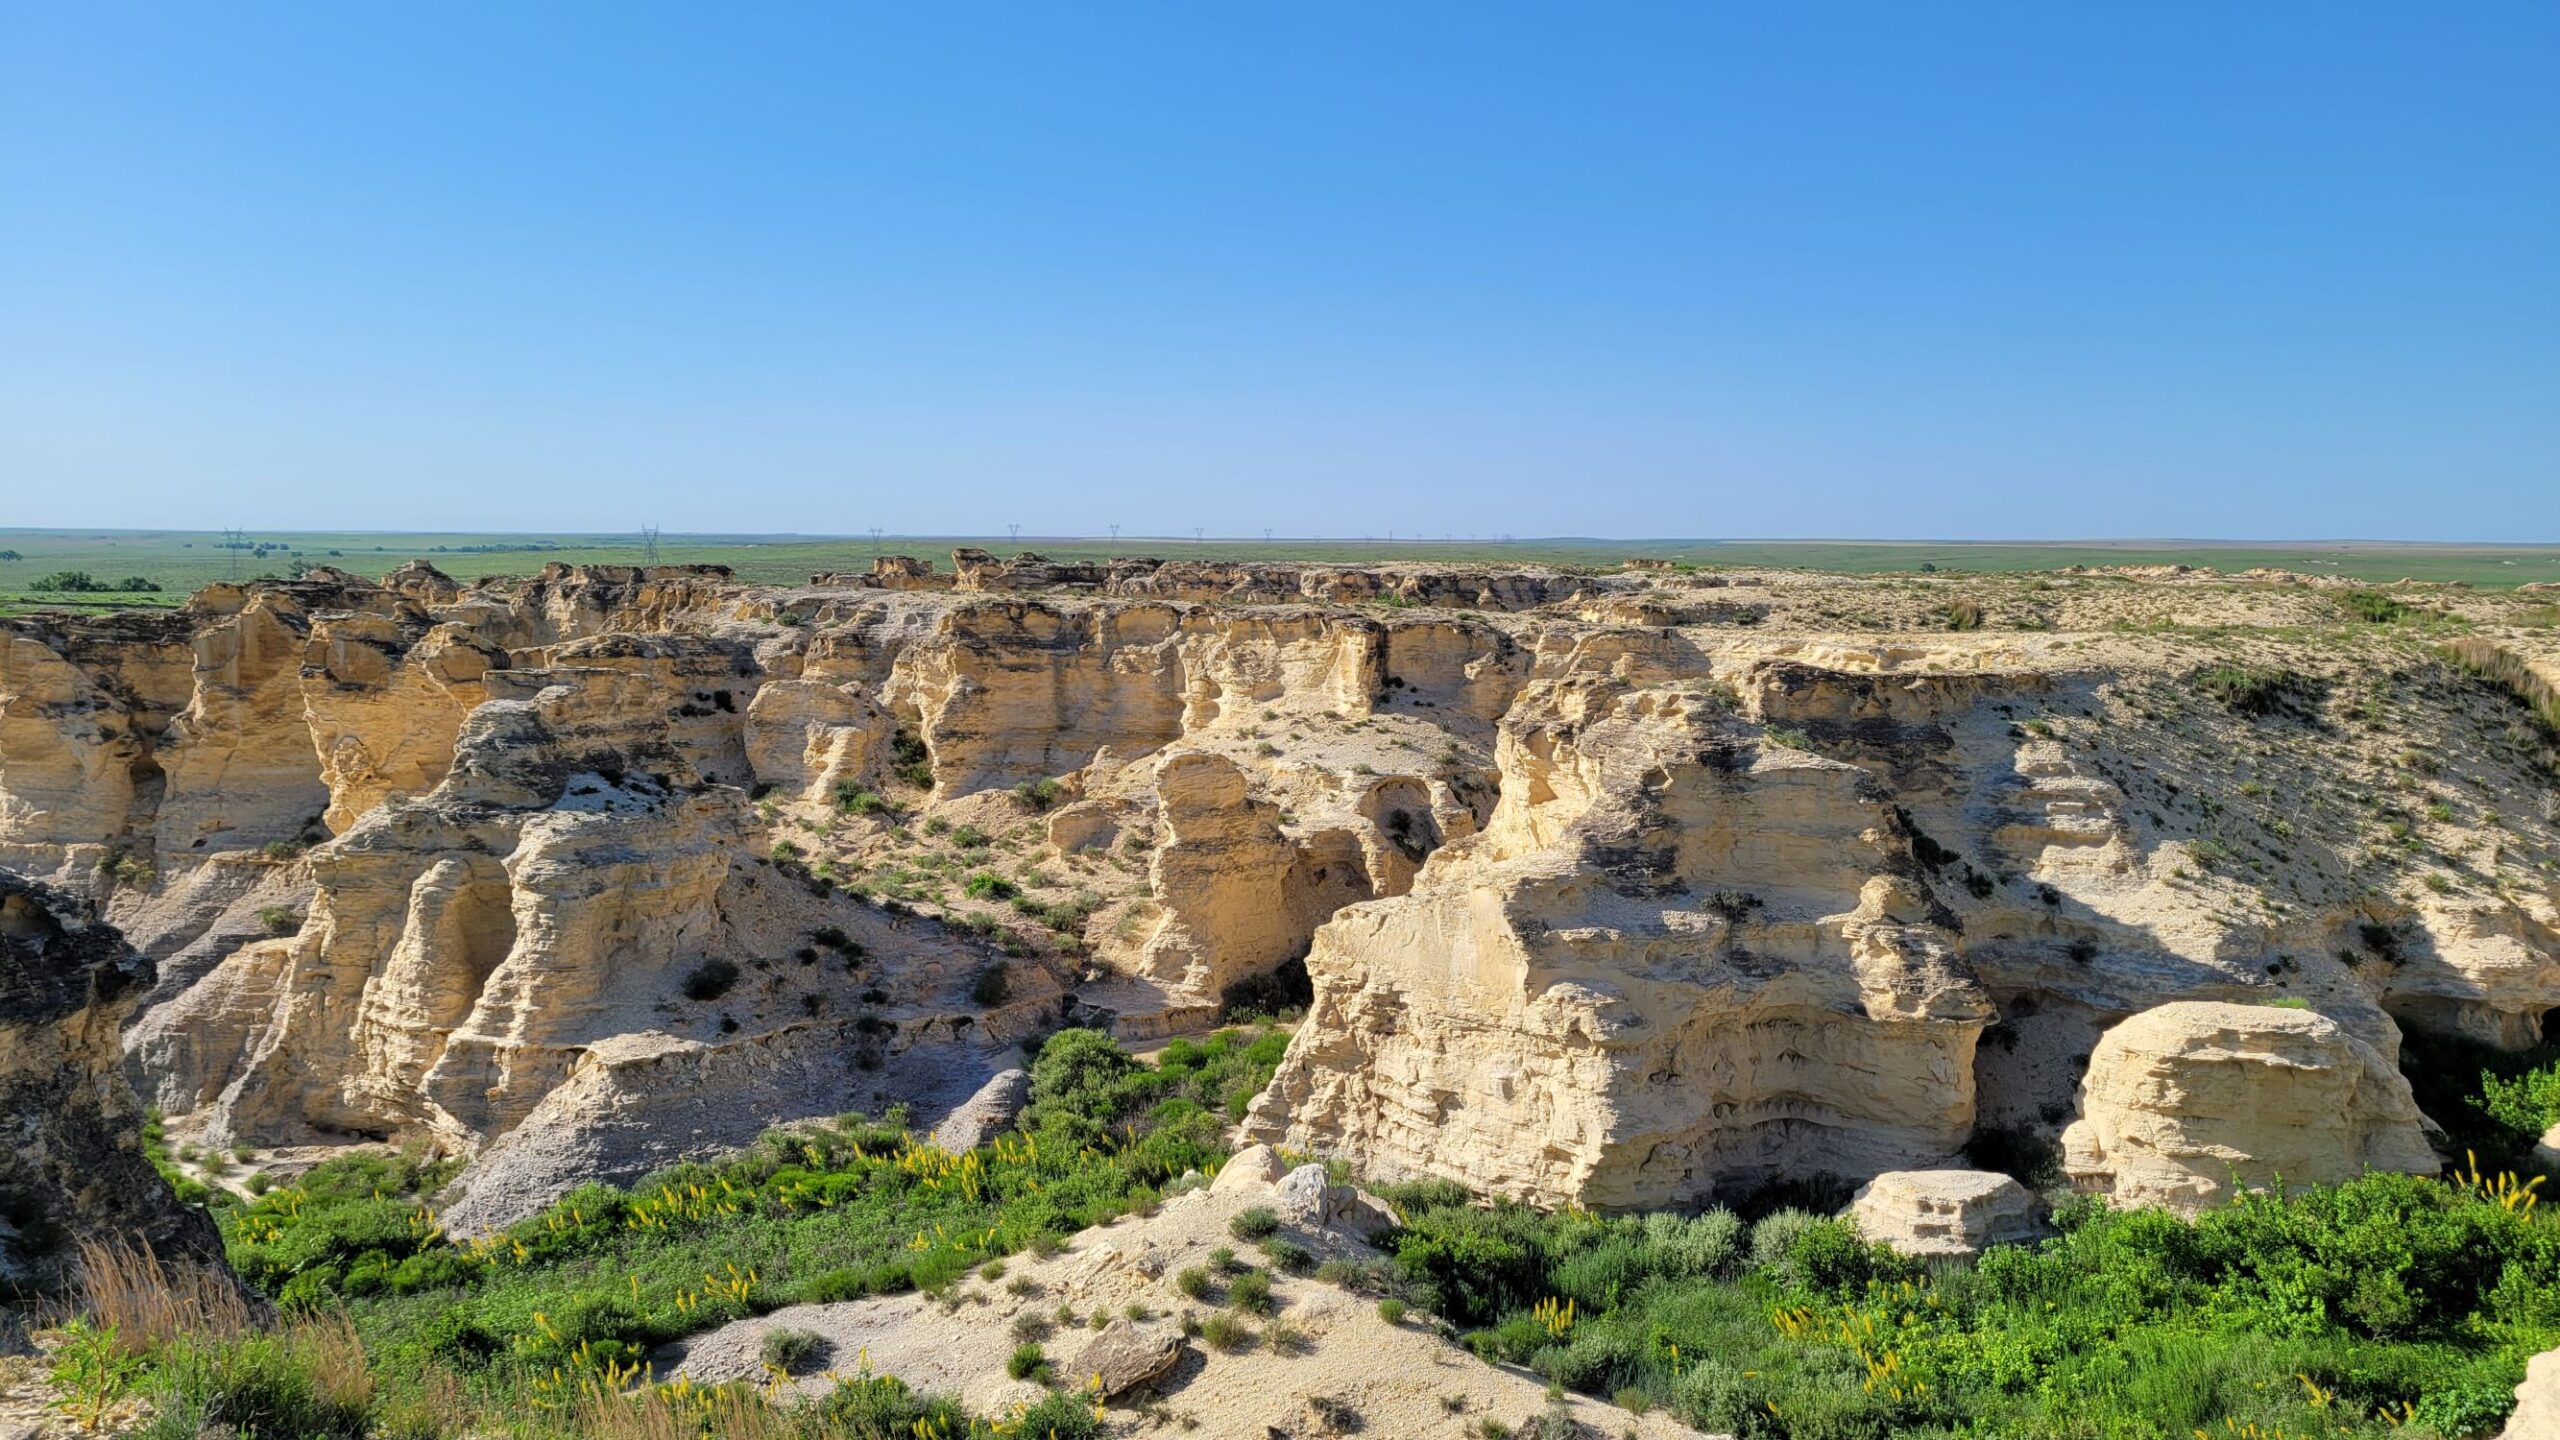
[
  {"x": 1251, "y": 1291},
  {"x": 792, "y": 1350},
  {"x": 1223, "y": 1331},
  {"x": 1775, "y": 1235}
]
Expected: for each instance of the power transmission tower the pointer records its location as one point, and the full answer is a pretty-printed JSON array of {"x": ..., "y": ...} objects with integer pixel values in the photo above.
[
  {"x": 1115, "y": 534},
  {"x": 235, "y": 541},
  {"x": 1199, "y": 533},
  {"x": 1017, "y": 533},
  {"x": 1266, "y": 535},
  {"x": 875, "y": 542},
  {"x": 648, "y": 544}
]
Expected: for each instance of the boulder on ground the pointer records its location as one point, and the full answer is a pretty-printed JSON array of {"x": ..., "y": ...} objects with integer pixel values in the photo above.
[
  {"x": 1125, "y": 1356},
  {"x": 1248, "y": 1168},
  {"x": 1308, "y": 1200},
  {"x": 2186, "y": 1101},
  {"x": 1946, "y": 1212},
  {"x": 1305, "y": 1198},
  {"x": 979, "y": 1118},
  {"x": 2537, "y": 1412}
]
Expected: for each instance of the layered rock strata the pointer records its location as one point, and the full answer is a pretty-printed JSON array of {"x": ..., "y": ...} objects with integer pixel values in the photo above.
[{"x": 1632, "y": 888}]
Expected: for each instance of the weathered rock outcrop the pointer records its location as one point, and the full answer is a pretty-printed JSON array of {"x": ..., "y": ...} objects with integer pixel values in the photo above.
[
  {"x": 72, "y": 1167},
  {"x": 1674, "y": 957},
  {"x": 1238, "y": 897},
  {"x": 525, "y": 948},
  {"x": 2185, "y": 1102},
  {"x": 1621, "y": 889},
  {"x": 1946, "y": 1212}
]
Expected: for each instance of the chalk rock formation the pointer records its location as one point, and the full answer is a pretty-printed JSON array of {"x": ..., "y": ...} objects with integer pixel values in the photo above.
[
  {"x": 468, "y": 954},
  {"x": 1673, "y": 956},
  {"x": 1618, "y": 888},
  {"x": 72, "y": 1166},
  {"x": 1238, "y": 897},
  {"x": 2187, "y": 1100},
  {"x": 80, "y": 699},
  {"x": 384, "y": 707},
  {"x": 1945, "y": 1212},
  {"x": 988, "y": 1111}
]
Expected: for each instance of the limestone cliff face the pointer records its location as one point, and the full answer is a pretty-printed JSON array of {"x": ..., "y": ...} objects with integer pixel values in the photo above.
[
  {"x": 458, "y": 948},
  {"x": 1619, "y": 889},
  {"x": 1674, "y": 956},
  {"x": 73, "y": 1168},
  {"x": 1010, "y": 692},
  {"x": 1238, "y": 897},
  {"x": 384, "y": 706},
  {"x": 1759, "y": 927},
  {"x": 80, "y": 699}
]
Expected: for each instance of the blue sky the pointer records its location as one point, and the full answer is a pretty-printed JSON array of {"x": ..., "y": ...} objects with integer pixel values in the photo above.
[{"x": 1892, "y": 270}]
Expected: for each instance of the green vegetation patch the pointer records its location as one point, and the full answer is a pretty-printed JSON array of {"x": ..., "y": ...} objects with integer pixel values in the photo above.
[
  {"x": 539, "y": 1321},
  {"x": 2390, "y": 1305}
]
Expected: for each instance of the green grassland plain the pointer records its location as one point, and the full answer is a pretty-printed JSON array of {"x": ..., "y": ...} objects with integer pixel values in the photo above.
[{"x": 181, "y": 561}]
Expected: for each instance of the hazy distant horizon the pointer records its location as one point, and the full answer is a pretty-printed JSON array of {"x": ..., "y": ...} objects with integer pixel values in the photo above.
[{"x": 962, "y": 537}]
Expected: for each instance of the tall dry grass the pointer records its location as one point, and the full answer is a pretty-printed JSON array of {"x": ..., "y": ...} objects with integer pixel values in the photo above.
[
  {"x": 662, "y": 1413},
  {"x": 2509, "y": 671},
  {"x": 147, "y": 1303},
  {"x": 341, "y": 1375}
]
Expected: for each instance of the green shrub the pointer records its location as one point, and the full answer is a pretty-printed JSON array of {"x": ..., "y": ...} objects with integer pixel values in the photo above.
[
  {"x": 288, "y": 1382},
  {"x": 1195, "y": 1283},
  {"x": 1287, "y": 1255},
  {"x": 1028, "y": 1362},
  {"x": 986, "y": 886},
  {"x": 1774, "y": 1237},
  {"x": 1254, "y": 1223},
  {"x": 881, "y": 1407},
  {"x": 2260, "y": 692},
  {"x": 1223, "y": 1331},
  {"x": 2373, "y": 607},
  {"x": 910, "y": 759},
  {"x": 1391, "y": 1310},
  {"x": 710, "y": 980},
  {"x": 279, "y": 920},
  {"x": 1251, "y": 1291},
  {"x": 1709, "y": 1244},
  {"x": 793, "y": 1351},
  {"x": 1063, "y": 1416}
]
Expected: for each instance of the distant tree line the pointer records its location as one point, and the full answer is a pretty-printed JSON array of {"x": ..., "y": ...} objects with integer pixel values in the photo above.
[{"x": 79, "y": 582}]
